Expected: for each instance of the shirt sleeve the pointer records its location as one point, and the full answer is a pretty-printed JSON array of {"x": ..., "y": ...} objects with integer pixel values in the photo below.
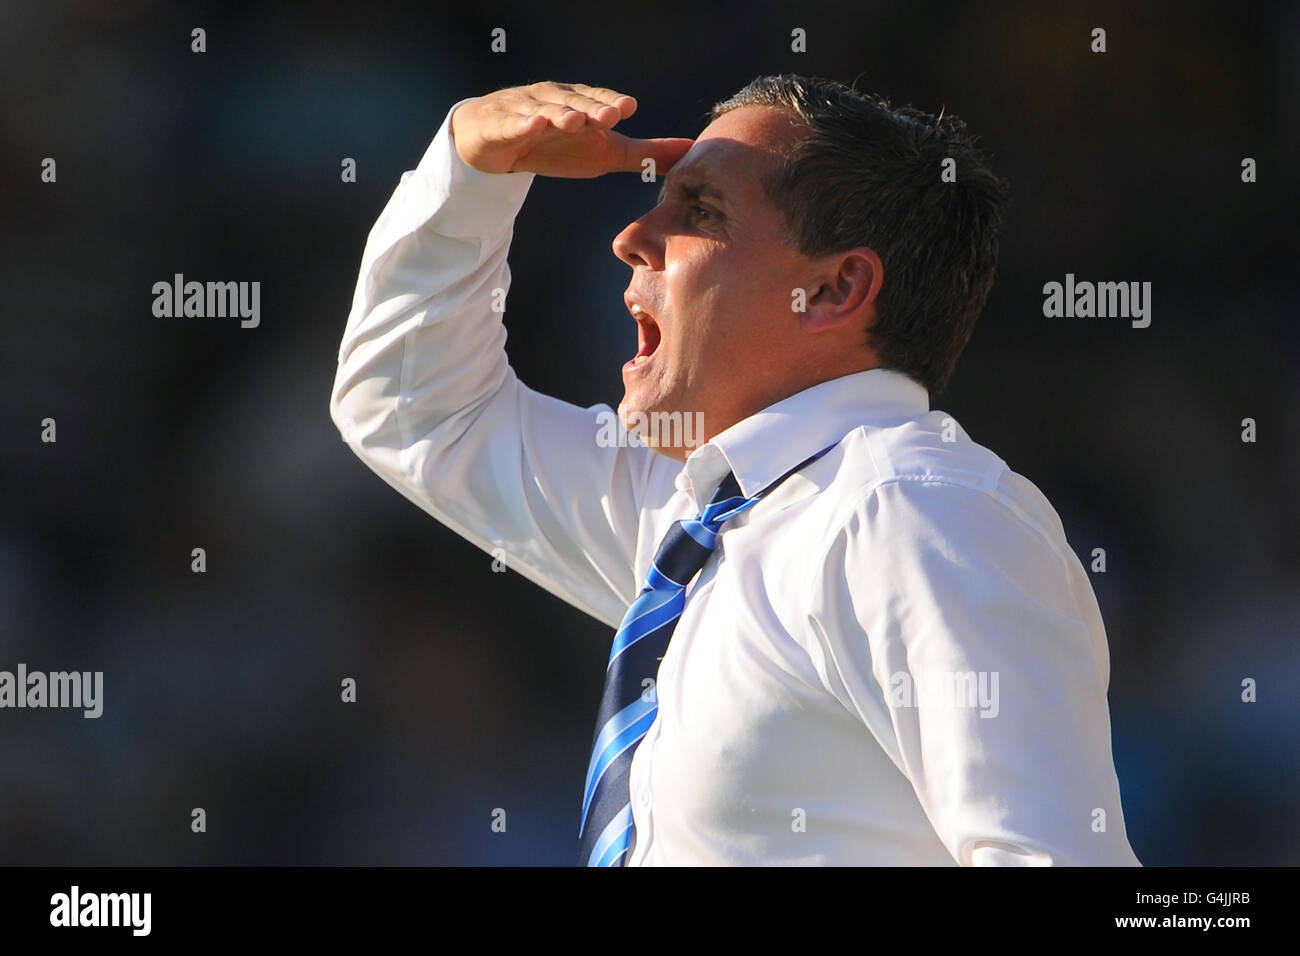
[
  {"x": 425, "y": 397},
  {"x": 969, "y": 642}
]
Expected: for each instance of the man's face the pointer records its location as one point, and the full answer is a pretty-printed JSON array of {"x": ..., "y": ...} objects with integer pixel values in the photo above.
[{"x": 709, "y": 268}]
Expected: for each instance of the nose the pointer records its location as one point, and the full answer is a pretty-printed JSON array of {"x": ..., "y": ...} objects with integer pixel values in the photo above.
[{"x": 639, "y": 244}]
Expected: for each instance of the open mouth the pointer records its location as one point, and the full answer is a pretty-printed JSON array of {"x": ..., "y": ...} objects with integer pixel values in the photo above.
[{"x": 647, "y": 336}]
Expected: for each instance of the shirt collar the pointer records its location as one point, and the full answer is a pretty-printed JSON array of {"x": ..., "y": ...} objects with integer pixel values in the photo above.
[{"x": 767, "y": 444}]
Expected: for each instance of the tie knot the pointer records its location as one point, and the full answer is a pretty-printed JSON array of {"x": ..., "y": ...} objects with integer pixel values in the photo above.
[
  {"x": 729, "y": 487},
  {"x": 727, "y": 501},
  {"x": 688, "y": 543}
]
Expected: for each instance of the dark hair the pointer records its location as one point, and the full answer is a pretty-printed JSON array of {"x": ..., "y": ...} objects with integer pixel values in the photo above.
[{"x": 864, "y": 173}]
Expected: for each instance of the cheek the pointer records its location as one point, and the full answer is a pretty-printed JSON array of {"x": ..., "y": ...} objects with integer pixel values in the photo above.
[
  {"x": 682, "y": 284},
  {"x": 685, "y": 302},
  {"x": 721, "y": 304},
  {"x": 694, "y": 269}
]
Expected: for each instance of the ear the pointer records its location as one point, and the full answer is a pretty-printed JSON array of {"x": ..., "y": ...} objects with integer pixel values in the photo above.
[{"x": 845, "y": 293}]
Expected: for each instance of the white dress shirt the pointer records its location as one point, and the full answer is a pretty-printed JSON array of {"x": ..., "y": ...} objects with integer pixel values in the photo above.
[{"x": 894, "y": 658}]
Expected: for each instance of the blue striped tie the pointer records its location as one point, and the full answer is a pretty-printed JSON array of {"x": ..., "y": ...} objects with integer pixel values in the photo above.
[{"x": 628, "y": 705}]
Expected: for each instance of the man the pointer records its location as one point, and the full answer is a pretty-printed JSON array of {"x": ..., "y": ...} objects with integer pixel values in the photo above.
[{"x": 847, "y": 633}]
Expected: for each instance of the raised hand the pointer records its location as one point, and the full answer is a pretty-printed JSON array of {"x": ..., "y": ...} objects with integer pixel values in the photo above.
[{"x": 556, "y": 129}]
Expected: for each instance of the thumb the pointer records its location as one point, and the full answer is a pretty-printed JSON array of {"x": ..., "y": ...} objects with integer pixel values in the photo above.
[{"x": 665, "y": 151}]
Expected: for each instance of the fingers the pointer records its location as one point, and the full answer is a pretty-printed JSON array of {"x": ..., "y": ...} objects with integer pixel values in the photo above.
[
  {"x": 562, "y": 116},
  {"x": 665, "y": 151},
  {"x": 625, "y": 104},
  {"x": 507, "y": 126},
  {"x": 571, "y": 106},
  {"x": 596, "y": 111},
  {"x": 527, "y": 129}
]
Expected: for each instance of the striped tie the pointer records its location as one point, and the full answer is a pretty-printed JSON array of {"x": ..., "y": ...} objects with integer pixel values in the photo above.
[{"x": 628, "y": 705}]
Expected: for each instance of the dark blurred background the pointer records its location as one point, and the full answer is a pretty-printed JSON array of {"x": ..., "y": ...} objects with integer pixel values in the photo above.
[{"x": 222, "y": 689}]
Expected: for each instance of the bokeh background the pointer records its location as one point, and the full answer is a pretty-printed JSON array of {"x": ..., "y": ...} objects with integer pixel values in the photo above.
[{"x": 477, "y": 690}]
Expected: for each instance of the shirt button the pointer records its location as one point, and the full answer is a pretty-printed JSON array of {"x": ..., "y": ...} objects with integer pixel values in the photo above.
[{"x": 645, "y": 796}]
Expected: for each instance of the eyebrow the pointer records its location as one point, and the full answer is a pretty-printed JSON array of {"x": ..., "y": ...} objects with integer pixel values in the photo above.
[{"x": 692, "y": 189}]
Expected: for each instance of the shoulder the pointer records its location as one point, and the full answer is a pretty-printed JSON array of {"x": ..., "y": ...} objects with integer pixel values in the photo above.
[{"x": 926, "y": 482}]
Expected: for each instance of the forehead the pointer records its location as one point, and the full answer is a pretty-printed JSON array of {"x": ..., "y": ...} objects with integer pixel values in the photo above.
[
  {"x": 769, "y": 128},
  {"x": 738, "y": 146}
]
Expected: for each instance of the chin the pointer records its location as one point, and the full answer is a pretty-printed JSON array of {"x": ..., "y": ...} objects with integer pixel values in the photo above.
[
  {"x": 625, "y": 409},
  {"x": 633, "y": 418},
  {"x": 673, "y": 434},
  {"x": 631, "y": 405}
]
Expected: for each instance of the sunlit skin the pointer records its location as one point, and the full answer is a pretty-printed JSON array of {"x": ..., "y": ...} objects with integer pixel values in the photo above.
[
  {"x": 709, "y": 266},
  {"x": 722, "y": 340}
]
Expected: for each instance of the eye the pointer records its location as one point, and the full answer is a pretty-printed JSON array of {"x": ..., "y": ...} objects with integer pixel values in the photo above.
[{"x": 698, "y": 210}]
